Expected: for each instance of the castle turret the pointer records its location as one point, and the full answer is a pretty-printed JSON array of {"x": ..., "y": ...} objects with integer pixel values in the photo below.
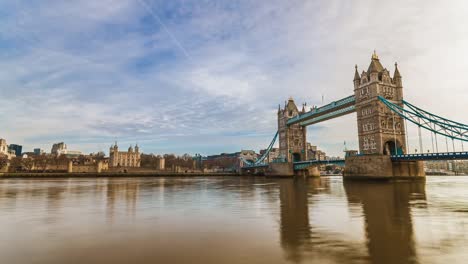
[
  {"x": 137, "y": 149},
  {"x": 397, "y": 76},
  {"x": 375, "y": 67},
  {"x": 357, "y": 78}
]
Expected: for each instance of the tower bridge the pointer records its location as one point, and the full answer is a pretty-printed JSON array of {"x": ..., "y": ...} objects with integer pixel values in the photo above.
[{"x": 382, "y": 117}]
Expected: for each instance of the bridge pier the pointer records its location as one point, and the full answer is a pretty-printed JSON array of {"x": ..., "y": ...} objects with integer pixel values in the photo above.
[
  {"x": 286, "y": 169},
  {"x": 370, "y": 167},
  {"x": 283, "y": 169},
  {"x": 313, "y": 171}
]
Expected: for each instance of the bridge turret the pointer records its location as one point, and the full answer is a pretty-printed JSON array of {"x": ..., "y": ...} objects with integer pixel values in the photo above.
[
  {"x": 357, "y": 78},
  {"x": 292, "y": 138},
  {"x": 380, "y": 131},
  {"x": 375, "y": 68},
  {"x": 398, "y": 83}
]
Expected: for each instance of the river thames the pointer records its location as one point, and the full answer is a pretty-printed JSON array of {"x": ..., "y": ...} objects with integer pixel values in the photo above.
[{"x": 233, "y": 220}]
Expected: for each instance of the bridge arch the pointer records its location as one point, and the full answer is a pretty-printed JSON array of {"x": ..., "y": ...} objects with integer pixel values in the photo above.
[
  {"x": 296, "y": 157},
  {"x": 392, "y": 147}
]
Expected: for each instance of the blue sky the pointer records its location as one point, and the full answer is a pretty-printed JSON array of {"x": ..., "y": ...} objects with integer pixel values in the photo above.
[{"x": 204, "y": 76}]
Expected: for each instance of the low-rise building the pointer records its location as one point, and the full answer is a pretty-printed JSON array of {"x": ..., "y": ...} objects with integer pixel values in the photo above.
[
  {"x": 313, "y": 153},
  {"x": 61, "y": 149},
  {"x": 273, "y": 155},
  {"x": 229, "y": 161},
  {"x": 130, "y": 158},
  {"x": 4, "y": 150}
]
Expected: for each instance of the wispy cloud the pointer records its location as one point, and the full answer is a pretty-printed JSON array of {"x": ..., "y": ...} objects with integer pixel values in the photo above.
[{"x": 91, "y": 72}]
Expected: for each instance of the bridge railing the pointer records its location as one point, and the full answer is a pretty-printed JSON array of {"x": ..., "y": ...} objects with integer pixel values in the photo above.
[
  {"x": 315, "y": 111},
  {"x": 463, "y": 155}
]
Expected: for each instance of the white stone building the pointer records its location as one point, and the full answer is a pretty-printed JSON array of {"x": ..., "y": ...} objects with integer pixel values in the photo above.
[{"x": 131, "y": 158}]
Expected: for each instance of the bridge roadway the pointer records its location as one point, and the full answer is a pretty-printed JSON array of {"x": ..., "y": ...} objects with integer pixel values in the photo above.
[
  {"x": 431, "y": 156},
  {"x": 300, "y": 165},
  {"x": 332, "y": 110}
]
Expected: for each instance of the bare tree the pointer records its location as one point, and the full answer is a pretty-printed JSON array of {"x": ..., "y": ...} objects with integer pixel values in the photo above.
[
  {"x": 3, "y": 162},
  {"x": 27, "y": 164},
  {"x": 41, "y": 162},
  {"x": 15, "y": 164}
]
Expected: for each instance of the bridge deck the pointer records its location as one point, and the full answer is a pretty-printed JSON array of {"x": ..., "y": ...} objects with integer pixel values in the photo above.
[
  {"x": 326, "y": 112},
  {"x": 300, "y": 165},
  {"x": 432, "y": 156}
]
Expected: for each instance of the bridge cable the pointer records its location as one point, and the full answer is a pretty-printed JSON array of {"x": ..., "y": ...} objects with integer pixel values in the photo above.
[
  {"x": 453, "y": 145},
  {"x": 262, "y": 158},
  {"x": 432, "y": 139},
  {"x": 463, "y": 148},
  {"x": 437, "y": 144},
  {"x": 420, "y": 139},
  {"x": 394, "y": 133},
  {"x": 407, "y": 138},
  {"x": 428, "y": 121},
  {"x": 446, "y": 143}
]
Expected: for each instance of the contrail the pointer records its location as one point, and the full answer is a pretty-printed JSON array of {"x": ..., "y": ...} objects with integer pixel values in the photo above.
[{"x": 155, "y": 16}]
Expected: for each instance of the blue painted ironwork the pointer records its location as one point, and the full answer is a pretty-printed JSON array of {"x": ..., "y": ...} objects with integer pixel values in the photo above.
[
  {"x": 300, "y": 165},
  {"x": 330, "y": 115},
  {"x": 254, "y": 166},
  {"x": 260, "y": 162},
  {"x": 331, "y": 107},
  {"x": 432, "y": 156},
  {"x": 429, "y": 121}
]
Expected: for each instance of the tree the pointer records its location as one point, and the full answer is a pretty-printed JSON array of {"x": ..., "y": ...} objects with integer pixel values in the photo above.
[
  {"x": 3, "y": 162},
  {"x": 16, "y": 164},
  {"x": 27, "y": 164},
  {"x": 41, "y": 162}
]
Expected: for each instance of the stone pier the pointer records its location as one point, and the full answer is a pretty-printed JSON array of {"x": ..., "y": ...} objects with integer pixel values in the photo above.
[
  {"x": 382, "y": 167},
  {"x": 285, "y": 169}
]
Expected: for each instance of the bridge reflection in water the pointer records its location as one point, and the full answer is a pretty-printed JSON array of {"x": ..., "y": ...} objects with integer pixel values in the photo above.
[
  {"x": 233, "y": 220},
  {"x": 387, "y": 218}
]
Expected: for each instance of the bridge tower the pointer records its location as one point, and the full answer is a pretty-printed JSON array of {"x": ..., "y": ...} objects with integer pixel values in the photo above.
[
  {"x": 380, "y": 130},
  {"x": 292, "y": 139}
]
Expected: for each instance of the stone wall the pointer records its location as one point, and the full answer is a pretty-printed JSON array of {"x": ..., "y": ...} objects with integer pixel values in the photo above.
[
  {"x": 97, "y": 167},
  {"x": 408, "y": 168},
  {"x": 381, "y": 166},
  {"x": 280, "y": 169}
]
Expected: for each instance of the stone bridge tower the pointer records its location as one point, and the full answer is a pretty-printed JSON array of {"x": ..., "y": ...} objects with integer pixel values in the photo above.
[
  {"x": 292, "y": 139},
  {"x": 380, "y": 130}
]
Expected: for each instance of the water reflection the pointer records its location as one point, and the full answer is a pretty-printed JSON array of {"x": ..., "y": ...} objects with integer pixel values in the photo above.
[
  {"x": 295, "y": 229},
  {"x": 125, "y": 192},
  {"x": 232, "y": 220},
  {"x": 303, "y": 242},
  {"x": 388, "y": 220}
]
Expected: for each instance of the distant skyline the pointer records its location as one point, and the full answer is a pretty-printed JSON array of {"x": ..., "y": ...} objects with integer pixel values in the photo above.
[{"x": 203, "y": 76}]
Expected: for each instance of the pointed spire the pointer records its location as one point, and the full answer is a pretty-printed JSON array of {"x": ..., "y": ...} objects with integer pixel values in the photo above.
[
  {"x": 356, "y": 74},
  {"x": 397, "y": 72},
  {"x": 375, "y": 65}
]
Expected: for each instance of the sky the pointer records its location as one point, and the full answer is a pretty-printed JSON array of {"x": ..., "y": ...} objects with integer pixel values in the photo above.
[{"x": 205, "y": 76}]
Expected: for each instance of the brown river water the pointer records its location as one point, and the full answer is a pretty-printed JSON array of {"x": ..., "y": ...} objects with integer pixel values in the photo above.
[{"x": 233, "y": 220}]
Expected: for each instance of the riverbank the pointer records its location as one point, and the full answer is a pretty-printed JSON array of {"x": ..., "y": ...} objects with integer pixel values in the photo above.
[{"x": 110, "y": 174}]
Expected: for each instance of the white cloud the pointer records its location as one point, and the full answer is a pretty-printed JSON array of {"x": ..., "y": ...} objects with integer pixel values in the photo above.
[{"x": 94, "y": 71}]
